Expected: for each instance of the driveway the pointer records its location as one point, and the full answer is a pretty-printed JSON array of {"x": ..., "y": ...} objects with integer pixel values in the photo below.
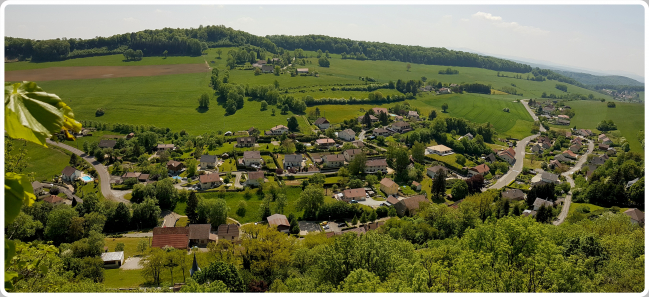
[
  {"x": 170, "y": 218},
  {"x": 237, "y": 180},
  {"x": 568, "y": 174},
  {"x": 371, "y": 202},
  {"x": 361, "y": 136},
  {"x": 104, "y": 177},
  {"x": 132, "y": 263}
]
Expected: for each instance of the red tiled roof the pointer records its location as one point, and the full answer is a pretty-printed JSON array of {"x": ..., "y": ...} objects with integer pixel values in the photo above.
[
  {"x": 176, "y": 237},
  {"x": 482, "y": 168},
  {"x": 376, "y": 162},
  {"x": 387, "y": 182},
  {"x": 52, "y": 199}
]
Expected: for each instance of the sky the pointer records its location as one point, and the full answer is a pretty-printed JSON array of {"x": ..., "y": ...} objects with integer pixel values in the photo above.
[{"x": 601, "y": 38}]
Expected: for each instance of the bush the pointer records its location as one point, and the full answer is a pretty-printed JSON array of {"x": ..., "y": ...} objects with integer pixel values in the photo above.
[
  {"x": 55, "y": 190},
  {"x": 611, "y": 104},
  {"x": 100, "y": 112}
]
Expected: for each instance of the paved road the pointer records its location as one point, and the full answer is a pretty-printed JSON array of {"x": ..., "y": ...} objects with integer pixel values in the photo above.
[
  {"x": 541, "y": 128},
  {"x": 568, "y": 174},
  {"x": 361, "y": 136},
  {"x": 518, "y": 166},
  {"x": 104, "y": 177},
  {"x": 141, "y": 234}
]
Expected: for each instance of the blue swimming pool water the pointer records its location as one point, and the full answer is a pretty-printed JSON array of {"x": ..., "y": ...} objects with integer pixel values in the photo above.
[
  {"x": 177, "y": 177},
  {"x": 86, "y": 178}
]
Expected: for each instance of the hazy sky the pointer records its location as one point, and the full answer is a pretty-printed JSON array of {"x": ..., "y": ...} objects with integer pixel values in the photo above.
[{"x": 603, "y": 38}]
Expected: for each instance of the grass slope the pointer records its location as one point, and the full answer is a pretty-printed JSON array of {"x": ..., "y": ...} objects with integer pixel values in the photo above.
[
  {"x": 110, "y": 60},
  {"x": 44, "y": 162},
  {"x": 629, "y": 118}
]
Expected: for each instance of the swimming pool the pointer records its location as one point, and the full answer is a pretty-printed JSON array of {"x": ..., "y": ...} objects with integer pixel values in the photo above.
[
  {"x": 86, "y": 178},
  {"x": 177, "y": 177}
]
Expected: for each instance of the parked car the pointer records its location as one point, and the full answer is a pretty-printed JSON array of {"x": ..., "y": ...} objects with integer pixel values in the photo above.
[
  {"x": 342, "y": 225},
  {"x": 353, "y": 201},
  {"x": 326, "y": 227}
]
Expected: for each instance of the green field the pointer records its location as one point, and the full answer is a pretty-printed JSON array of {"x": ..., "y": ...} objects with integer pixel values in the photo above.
[
  {"x": 44, "y": 162},
  {"x": 171, "y": 100},
  {"x": 110, "y": 60},
  {"x": 629, "y": 118},
  {"x": 253, "y": 203}
]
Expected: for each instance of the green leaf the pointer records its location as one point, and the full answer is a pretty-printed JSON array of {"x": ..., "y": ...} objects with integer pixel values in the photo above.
[
  {"x": 10, "y": 251},
  {"x": 43, "y": 113},
  {"x": 18, "y": 191}
]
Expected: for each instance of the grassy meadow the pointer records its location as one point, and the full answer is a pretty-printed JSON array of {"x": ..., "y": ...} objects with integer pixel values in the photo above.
[
  {"x": 45, "y": 162},
  {"x": 109, "y": 60},
  {"x": 629, "y": 118},
  {"x": 171, "y": 100}
]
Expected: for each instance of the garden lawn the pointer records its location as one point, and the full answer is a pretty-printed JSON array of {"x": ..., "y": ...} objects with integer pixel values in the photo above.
[
  {"x": 253, "y": 203},
  {"x": 130, "y": 244},
  {"x": 45, "y": 162},
  {"x": 450, "y": 159}
]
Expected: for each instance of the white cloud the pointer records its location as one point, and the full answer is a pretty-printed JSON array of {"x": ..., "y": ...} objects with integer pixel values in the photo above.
[
  {"x": 487, "y": 16},
  {"x": 464, "y": 20},
  {"x": 130, "y": 19},
  {"x": 514, "y": 26}
]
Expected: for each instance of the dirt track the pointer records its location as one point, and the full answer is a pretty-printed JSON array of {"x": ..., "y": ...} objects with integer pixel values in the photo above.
[{"x": 90, "y": 72}]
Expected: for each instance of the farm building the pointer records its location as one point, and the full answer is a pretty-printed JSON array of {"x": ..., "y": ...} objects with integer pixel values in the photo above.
[
  {"x": 441, "y": 150},
  {"x": 280, "y": 222},
  {"x": 389, "y": 187}
]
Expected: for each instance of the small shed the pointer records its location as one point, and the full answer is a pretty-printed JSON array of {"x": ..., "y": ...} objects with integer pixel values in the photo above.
[{"x": 113, "y": 259}]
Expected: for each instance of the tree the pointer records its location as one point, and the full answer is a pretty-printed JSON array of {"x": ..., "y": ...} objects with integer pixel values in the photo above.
[
  {"x": 354, "y": 221},
  {"x": 373, "y": 216},
  {"x": 636, "y": 193},
  {"x": 408, "y": 67},
  {"x": 221, "y": 271},
  {"x": 145, "y": 214},
  {"x": 418, "y": 152},
  {"x": 58, "y": 224},
  {"x": 264, "y": 105},
  {"x": 166, "y": 194},
  {"x": 367, "y": 120},
  {"x": 152, "y": 265},
  {"x": 257, "y": 71},
  {"x": 215, "y": 211},
  {"x": 432, "y": 115},
  {"x": 23, "y": 227},
  {"x": 119, "y": 247},
  {"x": 439, "y": 184},
  {"x": 295, "y": 226},
  {"x": 323, "y": 62},
  {"x": 357, "y": 164},
  {"x": 610, "y": 104},
  {"x": 459, "y": 190},
  {"x": 219, "y": 52},
  {"x": 363, "y": 218},
  {"x": 460, "y": 159},
  {"x": 142, "y": 246},
  {"x": 280, "y": 203},
  {"x": 292, "y": 123},
  {"x": 444, "y": 107},
  {"x": 165, "y": 53},
  {"x": 361, "y": 281},
  {"x": 191, "y": 167},
  {"x": 310, "y": 200}
]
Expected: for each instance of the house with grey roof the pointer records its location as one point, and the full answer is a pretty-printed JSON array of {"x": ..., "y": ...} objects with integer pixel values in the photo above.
[{"x": 208, "y": 161}]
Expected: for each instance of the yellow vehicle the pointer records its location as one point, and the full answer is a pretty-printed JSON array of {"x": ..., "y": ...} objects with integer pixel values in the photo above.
[{"x": 324, "y": 223}]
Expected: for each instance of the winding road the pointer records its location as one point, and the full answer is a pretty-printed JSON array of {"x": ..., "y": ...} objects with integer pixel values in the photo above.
[
  {"x": 518, "y": 166},
  {"x": 104, "y": 177},
  {"x": 568, "y": 174}
]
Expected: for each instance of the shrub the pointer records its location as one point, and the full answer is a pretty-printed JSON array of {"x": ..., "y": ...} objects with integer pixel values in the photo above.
[{"x": 100, "y": 112}]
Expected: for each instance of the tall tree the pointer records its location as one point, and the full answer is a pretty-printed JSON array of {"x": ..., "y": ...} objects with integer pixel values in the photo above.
[
  {"x": 310, "y": 200},
  {"x": 439, "y": 184},
  {"x": 357, "y": 164},
  {"x": 292, "y": 123}
]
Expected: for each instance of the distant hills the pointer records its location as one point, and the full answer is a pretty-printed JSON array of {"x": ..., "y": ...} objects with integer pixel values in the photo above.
[
  {"x": 586, "y": 77},
  {"x": 589, "y": 79}
]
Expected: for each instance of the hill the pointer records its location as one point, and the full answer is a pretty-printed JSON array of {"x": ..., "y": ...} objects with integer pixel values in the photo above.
[{"x": 591, "y": 80}]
